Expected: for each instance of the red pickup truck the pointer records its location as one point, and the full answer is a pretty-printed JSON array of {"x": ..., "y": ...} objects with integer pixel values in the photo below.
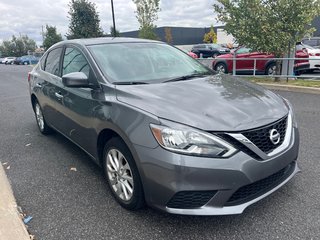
[{"x": 266, "y": 65}]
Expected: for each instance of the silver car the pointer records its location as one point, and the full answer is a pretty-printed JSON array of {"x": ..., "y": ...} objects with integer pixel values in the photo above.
[{"x": 167, "y": 131}]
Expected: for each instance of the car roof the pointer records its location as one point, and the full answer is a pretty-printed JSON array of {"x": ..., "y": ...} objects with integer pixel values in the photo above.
[{"x": 104, "y": 40}]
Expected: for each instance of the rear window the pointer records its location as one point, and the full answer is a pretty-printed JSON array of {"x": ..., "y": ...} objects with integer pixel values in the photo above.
[{"x": 52, "y": 61}]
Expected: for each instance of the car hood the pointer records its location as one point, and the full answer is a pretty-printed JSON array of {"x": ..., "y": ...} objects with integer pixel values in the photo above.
[{"x": 213, "y": 103}]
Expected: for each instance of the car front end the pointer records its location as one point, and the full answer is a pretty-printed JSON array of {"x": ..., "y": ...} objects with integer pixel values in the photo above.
[
  {"x": 208, "y": 184},
  {"x": 204, "y": 144}
]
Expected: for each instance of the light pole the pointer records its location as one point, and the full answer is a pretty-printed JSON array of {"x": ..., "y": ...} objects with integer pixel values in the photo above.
[{"x": 114, "y": 23}]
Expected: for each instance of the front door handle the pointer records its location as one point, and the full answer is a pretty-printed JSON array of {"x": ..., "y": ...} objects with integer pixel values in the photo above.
[{"x": 58, "y": 95}]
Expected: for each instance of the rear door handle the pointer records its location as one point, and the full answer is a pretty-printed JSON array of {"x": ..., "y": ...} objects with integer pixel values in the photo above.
[
  {"x": 39, "y": 85},
  {"x": 58, "y": 95}
]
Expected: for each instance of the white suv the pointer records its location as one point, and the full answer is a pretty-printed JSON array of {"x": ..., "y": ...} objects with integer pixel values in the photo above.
[{"x": 8, "y": 60}]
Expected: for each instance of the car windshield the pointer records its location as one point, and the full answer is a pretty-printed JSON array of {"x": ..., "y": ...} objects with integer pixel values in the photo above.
[{"x": 144, "y": 62}]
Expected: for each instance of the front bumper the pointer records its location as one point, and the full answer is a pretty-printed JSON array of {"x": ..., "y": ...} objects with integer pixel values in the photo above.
[{"x": 166, "y": 175}]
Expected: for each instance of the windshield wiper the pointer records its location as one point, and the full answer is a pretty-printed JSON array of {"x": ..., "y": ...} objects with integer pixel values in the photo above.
[
  {"x": 186, "y": 77},
  {"x": 129, "y": 83}
]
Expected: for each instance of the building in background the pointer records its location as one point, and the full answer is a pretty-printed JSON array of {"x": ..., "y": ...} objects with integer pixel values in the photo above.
[{"x": 184, "y": 35}]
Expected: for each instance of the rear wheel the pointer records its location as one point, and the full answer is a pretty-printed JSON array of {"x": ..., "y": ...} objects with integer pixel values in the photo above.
[
  {"x": 122, "y": 175},
  {"x": 41, "y": 122},
  {"x": 271, "y": 69},
  {"x": 221, "y": 68}
]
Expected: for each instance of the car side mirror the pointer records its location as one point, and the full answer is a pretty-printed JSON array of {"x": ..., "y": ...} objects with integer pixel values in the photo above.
[{"x": 76, "y": 80}]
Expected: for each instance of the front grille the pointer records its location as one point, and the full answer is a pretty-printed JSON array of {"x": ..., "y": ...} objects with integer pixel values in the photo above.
[
  {"x": 238, "y": 145},
  {"x": 256, "y": 189},
  {"x": 261, "y": 136},
  {"x": 190, "y": 199}
]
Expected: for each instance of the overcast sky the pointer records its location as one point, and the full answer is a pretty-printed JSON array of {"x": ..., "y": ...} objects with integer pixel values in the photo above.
[{"x": 28, "y": 16}]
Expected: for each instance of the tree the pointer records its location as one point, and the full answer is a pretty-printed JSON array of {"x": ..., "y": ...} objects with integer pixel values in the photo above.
[
  {"x": 18, "y": 46},
  {"x": 210, "y": 37},
  {"x": 168, "y": 35},
  {"x": 266, "y": 25},
  {"x": 84, "y": 20},
  {"x": 147, "y": 14},
  {"x": 114, "y": 34},
  {"x": 51, "y": 37}
]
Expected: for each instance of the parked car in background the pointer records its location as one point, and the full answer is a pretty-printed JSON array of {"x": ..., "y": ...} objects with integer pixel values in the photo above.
[
  {"x": 166, "y": 130},
  {"x": 313, "y": 42},
  {"x": 209, "y": 50},
  {"x": 26, "y": 60},
  {"x": 265, "y": 65},
  {"x": 8, "y": 60},
  {"x": 314, "y": 55}
]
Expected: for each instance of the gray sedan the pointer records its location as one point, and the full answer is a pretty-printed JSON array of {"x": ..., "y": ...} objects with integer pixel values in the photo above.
[{"x": 167, "y": 131}]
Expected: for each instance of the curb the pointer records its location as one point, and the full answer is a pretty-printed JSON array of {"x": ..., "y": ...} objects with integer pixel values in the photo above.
[
  {"x": 299, "y": 89},
  {"x": 11, "y": 225}
]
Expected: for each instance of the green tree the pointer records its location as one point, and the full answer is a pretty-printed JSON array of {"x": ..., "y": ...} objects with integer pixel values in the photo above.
[
  {"x": 114, "y": 34},
  {"x": 84, "y": 20},
  {"x": 210, "y": 37},
  {"x": 51, "y": 36},
  {"x": 18, "y": 46},
  {"x": 147, "y": 14},
  {"x": 168, "y": 35},
  {"x": 267, "y": 25}
]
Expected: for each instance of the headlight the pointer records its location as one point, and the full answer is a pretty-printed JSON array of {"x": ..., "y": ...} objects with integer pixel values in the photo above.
[{"x": 191, "y": 142}]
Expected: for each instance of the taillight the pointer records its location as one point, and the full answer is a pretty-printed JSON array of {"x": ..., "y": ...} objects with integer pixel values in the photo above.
[
  {"x": 29, "y": 77},
  {"x": 317, "y": 54}
]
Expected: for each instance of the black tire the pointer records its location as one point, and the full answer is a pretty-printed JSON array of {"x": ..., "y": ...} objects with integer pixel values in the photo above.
[
  {"x": 269, "y": 69},
  {"x": 136, "y": 200},
  {"x": 221, "y": 68},
  {"x": 43, "y": 127}
]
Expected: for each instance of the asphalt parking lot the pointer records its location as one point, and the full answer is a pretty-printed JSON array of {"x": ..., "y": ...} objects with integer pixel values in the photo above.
[{"x": 68, "y": 204}]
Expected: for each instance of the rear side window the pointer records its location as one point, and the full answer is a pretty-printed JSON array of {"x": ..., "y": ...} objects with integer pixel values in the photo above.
[
  {"x": 52, "y": 61},
  {"x": 74, "y": 61}
]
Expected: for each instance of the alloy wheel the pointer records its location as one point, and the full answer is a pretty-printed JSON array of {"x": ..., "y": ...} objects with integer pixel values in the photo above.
[
  {"x": 221, "y": 68},
  {"x": 39, "y": 117},
  {"x": 272, "y": 70},
  {"x": 120, "y": 175}
]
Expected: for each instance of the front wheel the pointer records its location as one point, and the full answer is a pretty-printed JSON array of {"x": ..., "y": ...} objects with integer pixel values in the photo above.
[
  {"x": 122, "y": 175},
  {"x": 221, "y": 68},
  {"x": 271, "y": 69}
]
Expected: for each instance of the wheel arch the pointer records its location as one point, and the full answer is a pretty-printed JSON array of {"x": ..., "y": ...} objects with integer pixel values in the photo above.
[
  {"x": 268, "y": 63},
  {"x": 108, "y": 133}
]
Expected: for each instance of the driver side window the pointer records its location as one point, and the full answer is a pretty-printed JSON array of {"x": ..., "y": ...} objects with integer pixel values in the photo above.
[{"x": 74, "y": 61}]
